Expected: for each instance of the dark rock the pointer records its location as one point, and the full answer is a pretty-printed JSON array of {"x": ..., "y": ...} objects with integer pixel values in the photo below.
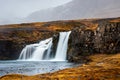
[
  {"x": 86, "y": 38},
  {"x": 8, "y": 50},
  {"x": 80, "y": 43},
  {"x": 11, "y": 48},
  {"x": 55, "y": 43},
  {"x": 105, "y": 39}
]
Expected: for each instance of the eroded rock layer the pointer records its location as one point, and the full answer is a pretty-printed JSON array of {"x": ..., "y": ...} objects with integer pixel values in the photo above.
[{"x": 89, "y": 36}]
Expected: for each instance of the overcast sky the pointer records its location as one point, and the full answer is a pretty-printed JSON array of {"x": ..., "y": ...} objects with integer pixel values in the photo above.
[{"x": 22, "y": 8}]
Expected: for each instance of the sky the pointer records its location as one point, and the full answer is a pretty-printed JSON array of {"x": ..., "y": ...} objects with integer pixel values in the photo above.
[
  {"x": 24, "y": 11},
  {"x": 13, "y": 9}
]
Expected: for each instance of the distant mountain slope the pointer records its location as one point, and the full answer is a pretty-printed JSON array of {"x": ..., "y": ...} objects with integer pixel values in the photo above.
[{"x": 77, "y": 9}]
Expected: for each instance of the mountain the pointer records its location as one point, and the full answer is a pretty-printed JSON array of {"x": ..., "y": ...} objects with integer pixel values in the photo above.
[{"x": 77, "y": 9}]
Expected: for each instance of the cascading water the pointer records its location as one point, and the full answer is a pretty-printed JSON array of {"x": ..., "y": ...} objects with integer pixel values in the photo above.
[
  {"x": 36, "y": 51},
  {"x": 62, "y": 46},
  {"x": 42, "y": 50},
  {"x": 27, "y": 51}
]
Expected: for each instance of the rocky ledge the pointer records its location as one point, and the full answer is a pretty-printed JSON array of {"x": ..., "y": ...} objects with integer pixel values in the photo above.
[
  {"x": 88, "y": 37},
  {"x": 102, "y": 38}
]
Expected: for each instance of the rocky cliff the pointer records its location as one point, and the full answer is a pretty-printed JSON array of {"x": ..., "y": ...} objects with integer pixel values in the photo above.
[
  {"x": 104, "y": 39},
  {"x": 89, "y": 36},
  {"x": 13, "y": 38}
]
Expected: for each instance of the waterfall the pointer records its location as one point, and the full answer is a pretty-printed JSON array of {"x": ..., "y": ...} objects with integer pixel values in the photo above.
[
  {"x": 62, "y": 46},
  {"x": 42, "y": 50},
  {"x": 36, "y": 51},
  {"x": 27, "y": 51}
]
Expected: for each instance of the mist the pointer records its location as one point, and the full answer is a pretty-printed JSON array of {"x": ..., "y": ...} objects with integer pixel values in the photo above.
[
  {"x": 78, "y": 9},
  {"x": 14, "y": 11},
  {"x": 23, "y": 11}
]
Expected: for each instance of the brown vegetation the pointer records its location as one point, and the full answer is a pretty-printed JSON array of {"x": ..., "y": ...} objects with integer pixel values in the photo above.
[{"x": 101, "y": 67}]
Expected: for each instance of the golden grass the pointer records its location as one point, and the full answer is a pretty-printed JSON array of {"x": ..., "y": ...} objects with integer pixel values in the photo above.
[{"x": 102, "y": 67}]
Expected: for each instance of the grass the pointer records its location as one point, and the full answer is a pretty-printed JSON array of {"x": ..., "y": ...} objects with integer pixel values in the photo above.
[{"x": 101, "y": 67}]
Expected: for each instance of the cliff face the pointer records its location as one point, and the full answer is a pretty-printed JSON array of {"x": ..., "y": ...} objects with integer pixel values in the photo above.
[
  {"x": 12, "y": 43},
  {"x": 104, "y": 39},
  {"x": 88, "y": 37},
  {"x": 13, "y": 38}
]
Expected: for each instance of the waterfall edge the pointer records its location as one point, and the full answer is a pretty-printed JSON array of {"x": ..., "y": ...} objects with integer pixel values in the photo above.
[{"x": 35, "y": 52}]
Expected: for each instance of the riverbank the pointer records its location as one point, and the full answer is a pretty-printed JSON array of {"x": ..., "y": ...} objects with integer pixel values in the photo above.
[{"x": 100, "y": 67}]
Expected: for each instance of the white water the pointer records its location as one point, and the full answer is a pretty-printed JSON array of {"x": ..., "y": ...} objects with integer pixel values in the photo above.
[
  {"x": 62, "y": 46},
  {"x": 35, "y": 52},
  {"x": 42, "y": 50},
  {"x": 27, "y": 51}
]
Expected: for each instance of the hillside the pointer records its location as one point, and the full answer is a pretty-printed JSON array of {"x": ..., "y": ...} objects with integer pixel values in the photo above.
[
  {"x": 94, "y": 42},
  {"x": 84, "y": 40},
  {"x": 78, "y": 9}
]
